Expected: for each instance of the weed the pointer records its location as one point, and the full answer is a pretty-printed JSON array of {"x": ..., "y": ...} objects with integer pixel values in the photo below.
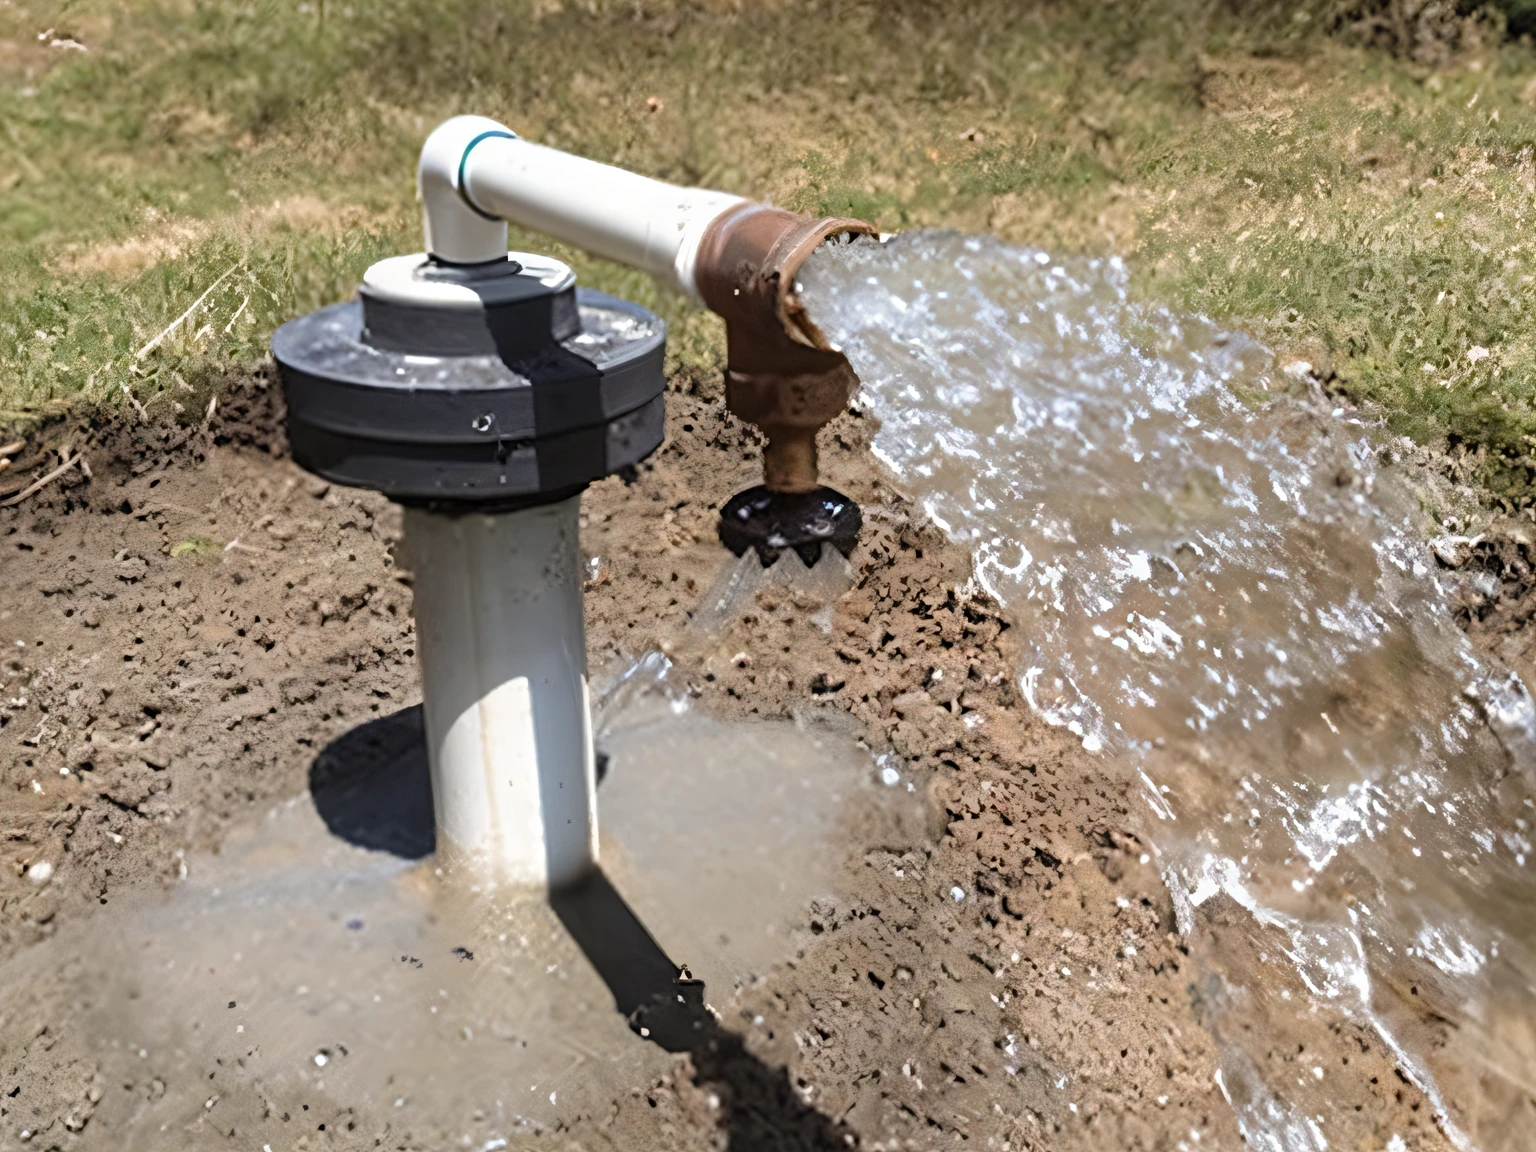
[{"x": 196, "y": 546}]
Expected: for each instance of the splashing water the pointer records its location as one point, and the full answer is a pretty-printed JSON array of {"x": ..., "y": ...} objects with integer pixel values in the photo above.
[{"x": 1223, "y": 582}]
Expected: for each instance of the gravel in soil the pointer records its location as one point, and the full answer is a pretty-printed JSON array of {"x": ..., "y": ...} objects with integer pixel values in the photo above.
[{"x": 187, "y": 631}]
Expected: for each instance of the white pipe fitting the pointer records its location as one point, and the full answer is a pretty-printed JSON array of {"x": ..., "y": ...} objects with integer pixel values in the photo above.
[
  {"x": 502, "y": 645},
  {"x": 498, "y": 597},
  {"x": 475, "y": 174}
]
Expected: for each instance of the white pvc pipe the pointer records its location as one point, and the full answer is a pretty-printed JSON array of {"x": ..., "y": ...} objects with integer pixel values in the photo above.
[
  {"x": 475, "y": 174},
  {"x": 502, "y": 646}
]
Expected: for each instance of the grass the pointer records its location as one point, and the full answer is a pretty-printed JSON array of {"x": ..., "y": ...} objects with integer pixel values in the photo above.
[
  {"x": 1368, "y": 213},
  {"x": 195, "y": 546}
]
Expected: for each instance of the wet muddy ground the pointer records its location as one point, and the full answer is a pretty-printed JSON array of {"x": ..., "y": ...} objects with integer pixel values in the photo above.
[{"x": 186, "y": 632}]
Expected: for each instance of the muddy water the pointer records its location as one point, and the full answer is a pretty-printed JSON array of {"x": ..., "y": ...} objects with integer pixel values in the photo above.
[
  {"x": 298, "y": 983},
  {"x": 1220, "y": 579}
]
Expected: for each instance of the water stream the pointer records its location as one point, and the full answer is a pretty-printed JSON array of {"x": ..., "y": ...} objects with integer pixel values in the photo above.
[{"x": 1226, "y": 583}]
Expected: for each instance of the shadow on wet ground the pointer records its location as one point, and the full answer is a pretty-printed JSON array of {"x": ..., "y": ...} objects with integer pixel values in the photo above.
[
  {"x": 372, "y": 788},
  {"x": 760, "y": 1111}
]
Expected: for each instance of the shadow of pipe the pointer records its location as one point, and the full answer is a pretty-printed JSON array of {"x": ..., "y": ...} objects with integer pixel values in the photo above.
[
  {"x": 760, "y": 1110},
  {"x": 373, "y": 788}
]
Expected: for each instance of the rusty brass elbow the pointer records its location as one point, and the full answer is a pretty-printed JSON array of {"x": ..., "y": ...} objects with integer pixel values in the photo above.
[{"x": 781, "y": 374}]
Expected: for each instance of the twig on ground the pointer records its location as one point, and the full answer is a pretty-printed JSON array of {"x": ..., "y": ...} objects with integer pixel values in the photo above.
[
  {"x": 238, "y": 312},
  {"x": 37, "y": 484},
  {"x": 265, "y": 518},
  {"x": 13, "y": 447},
  {"x": 180, "y": 320},
  {"x": 137, "y": 407}
]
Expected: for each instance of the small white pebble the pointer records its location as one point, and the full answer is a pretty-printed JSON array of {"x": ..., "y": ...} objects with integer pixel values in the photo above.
[
  {"x": 1066, "y": 971},
  {"x": 957, "y": 893},
  {"x": 321, "y": 1059},
  {"x": 41, "y": 872},
  {"x": 1318, "y": 1072},
  {"x": 890, "y": 777}
]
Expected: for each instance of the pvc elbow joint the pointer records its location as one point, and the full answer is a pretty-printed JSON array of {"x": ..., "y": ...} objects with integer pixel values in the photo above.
[
  {"x": 738, "y": 258},
  {"x": 458, "y": 232}
]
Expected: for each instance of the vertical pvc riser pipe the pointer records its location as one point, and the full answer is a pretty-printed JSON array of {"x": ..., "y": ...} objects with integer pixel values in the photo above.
[{"x": 502, "y": 645}]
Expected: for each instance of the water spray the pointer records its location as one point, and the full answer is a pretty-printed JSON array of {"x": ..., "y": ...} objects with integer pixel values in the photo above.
[{"x": 483, "y": 390}]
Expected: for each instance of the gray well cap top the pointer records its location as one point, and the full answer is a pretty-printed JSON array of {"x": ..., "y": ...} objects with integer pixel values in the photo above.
[{"x": 533, "y": 393}]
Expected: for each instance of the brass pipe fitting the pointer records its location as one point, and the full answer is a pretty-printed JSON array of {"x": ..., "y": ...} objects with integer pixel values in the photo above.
[{"x": 781, "y": 373}]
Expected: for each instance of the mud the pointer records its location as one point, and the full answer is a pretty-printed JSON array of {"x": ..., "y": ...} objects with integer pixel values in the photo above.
[{"x": 186, "y": 632}]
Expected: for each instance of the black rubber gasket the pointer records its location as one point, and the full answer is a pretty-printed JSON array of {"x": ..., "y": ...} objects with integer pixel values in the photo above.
[{"x": 771, "y": 522}]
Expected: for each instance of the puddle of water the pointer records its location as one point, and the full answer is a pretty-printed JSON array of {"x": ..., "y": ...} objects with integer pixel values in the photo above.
[
  {"x": 1220, "y": 581},
  {"x": 294, "y": 979}
]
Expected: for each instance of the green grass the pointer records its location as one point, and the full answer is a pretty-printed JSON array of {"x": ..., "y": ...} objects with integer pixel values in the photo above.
[
  {"x": 196, "y": 546},
  {"x": 1369, "y": 213}
]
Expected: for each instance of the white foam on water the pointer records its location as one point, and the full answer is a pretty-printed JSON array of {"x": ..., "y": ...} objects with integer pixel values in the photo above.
[{"x": 1225, "y": 583}]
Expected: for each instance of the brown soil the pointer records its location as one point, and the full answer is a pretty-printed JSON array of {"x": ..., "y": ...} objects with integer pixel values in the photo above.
[{"x": 187, "y": 629}]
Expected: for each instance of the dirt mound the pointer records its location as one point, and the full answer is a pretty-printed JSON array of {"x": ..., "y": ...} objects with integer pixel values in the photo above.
[{"x": 186, "y": 632}]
